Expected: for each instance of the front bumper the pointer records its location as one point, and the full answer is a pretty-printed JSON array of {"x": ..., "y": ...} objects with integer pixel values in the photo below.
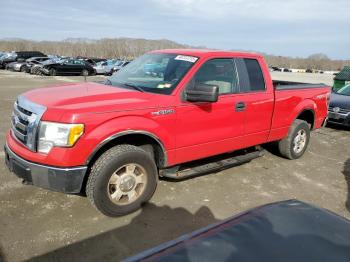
[
  {"x": 339, "y": 119},
  {"x": 66, "y": 180}
]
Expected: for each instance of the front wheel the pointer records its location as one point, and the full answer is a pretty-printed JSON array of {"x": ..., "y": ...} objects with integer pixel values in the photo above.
[
  {"x": 121, "y": 180},
  {"x": 295, "y": 144}
]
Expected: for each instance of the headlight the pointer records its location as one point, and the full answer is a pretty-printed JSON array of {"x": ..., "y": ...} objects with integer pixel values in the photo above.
[{"x": 57, "y": 134}]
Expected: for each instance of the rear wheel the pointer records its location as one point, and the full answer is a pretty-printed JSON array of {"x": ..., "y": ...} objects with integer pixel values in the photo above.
[
  {"x": 295, "y": 144},
  {"x": 85, "y": 72},
  {"x": 121, "y": 180}
]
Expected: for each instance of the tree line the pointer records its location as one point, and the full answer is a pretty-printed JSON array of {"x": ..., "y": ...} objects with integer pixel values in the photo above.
[
  {"x": 130, "y": 48},
  {"x": 315, "y": 62}
]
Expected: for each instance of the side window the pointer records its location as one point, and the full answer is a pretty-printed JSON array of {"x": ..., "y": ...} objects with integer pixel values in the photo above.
[
  {"x": 251, "y": 78},
  {"x": 220, "y": 72},
  {"x": 69, "y": 62}
]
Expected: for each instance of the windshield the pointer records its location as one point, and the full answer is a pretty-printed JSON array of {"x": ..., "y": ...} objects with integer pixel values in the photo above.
[
  {"x": 156, "y": 73},
  {"x": 344, "y": 90}
]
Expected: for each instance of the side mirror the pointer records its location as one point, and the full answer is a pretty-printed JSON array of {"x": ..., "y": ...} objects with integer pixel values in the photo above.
[{"x": 202, "y": 93}]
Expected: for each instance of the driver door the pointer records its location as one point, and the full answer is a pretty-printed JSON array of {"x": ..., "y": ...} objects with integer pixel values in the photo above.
[{"x": 205, "y": 129}]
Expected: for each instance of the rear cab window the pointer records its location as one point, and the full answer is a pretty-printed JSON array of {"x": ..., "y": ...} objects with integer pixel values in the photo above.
[{"x": 251, "y": 78}]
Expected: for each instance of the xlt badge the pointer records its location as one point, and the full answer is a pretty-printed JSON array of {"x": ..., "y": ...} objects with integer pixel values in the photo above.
[{"x": 163, "y": 112}]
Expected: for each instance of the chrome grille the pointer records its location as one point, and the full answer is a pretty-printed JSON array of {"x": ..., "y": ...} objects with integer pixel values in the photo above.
[
  {"x": 25, "y": 121},
  {"x": 341, "y": 110}
]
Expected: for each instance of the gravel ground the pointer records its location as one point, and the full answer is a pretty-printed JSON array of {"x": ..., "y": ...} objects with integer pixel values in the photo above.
[{"x": 43, "y": 225}]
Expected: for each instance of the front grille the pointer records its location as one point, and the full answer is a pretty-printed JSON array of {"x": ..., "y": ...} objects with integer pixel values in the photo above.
[
  {"x": 20, "y": 123},
  {"x": 341, "y": 110},
  {"x": 25, "y": 121}
]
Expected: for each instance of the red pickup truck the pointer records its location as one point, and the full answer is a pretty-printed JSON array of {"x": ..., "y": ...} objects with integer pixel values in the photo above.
[{"x": 113, "y": 140}]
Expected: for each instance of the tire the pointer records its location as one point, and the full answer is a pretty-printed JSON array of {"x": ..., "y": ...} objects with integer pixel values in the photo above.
[
  {"x": 53, "y": 72},
  {"x": 289, "y": 147},
  {"x": 85, "y": 72},
  {"x": 109, "y": 183},
  {"x": 23, "y": 69}
]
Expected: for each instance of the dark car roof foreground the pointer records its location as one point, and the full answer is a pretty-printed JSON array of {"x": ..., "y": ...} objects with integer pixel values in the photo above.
[{"x": 283, "y": 231}]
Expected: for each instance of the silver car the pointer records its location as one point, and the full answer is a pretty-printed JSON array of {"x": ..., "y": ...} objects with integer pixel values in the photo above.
[{"x": 105, "y": 66}]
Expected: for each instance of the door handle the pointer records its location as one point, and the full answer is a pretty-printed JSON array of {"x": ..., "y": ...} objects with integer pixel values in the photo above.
[{"x": 240, "y": 106}]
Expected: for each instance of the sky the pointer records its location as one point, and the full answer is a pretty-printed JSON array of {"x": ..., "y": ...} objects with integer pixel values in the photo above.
[{"x": 295, "y": 28}]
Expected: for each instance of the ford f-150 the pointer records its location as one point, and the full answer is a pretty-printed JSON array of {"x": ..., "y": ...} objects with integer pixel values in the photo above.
[{"x": 113, "y": 140}]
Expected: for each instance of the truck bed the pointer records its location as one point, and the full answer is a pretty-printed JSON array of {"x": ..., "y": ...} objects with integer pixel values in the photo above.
[{"x": 288, "y": 85}]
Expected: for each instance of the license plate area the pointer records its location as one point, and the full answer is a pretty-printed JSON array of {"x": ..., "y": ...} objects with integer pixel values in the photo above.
[
  {"x": 21, "y": 171},
  {"x": 334, "y": 115},
  {"x": 17, "y": 168}
]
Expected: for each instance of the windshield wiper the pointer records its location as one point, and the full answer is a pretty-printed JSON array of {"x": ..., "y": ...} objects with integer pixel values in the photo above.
[{"x": 134, "y": 87}]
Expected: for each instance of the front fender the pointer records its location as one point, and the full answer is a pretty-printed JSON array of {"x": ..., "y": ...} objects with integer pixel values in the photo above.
[
  {"x": 162, "y": 132},
  {"x": 128, "y": 123}
]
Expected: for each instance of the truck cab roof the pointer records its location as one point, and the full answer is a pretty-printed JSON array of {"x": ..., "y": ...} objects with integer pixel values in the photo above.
[{"x": 207, "y": 52}]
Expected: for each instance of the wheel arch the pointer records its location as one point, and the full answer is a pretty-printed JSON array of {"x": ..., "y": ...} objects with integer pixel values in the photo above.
[
  {"x": 308, "y": 115},
  {"x": 132, "y": 137}
]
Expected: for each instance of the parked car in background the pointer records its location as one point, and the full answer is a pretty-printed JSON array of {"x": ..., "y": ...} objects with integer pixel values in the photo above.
[
  {"x": 119, "y": 65},
  {"x": 10, "y": 66},
  {"x": 339, "y": 106},
  {"x": 37, "y": 68},
  {"x": 156, "y": 69},
  {"x": 18, "y": 57},
  {"x": 7, "y": 59},
  {"x": 4, "y": 54},
  {"x": 22, "y": 65},
  {"x": 286, "y": 70},
  {"x": 68, "y": 67},
  {"x": 275, "y": 68},
  {"x": 91, "y": 60},
  {"x": 105, "y": 67},
  {"x": 287, "y": 231},
  {"x": 25, "y": 67}
]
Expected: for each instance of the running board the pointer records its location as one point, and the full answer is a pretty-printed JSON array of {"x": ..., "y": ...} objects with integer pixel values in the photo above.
[{"x": 202, "y": 167}]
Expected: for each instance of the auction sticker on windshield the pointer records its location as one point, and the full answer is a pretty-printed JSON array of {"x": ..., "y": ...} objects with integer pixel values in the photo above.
[{"x": 190, "y": 59}]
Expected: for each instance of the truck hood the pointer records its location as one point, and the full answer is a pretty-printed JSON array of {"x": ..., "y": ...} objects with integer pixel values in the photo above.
[
  {"x": 91, "y": 98},
  {"x": 340, "y": 101}
]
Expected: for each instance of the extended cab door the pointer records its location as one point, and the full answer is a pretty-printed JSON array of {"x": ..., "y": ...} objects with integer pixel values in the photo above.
[
  {"x": 205, "y": 129},
  {"x": 256, "y": 95}
]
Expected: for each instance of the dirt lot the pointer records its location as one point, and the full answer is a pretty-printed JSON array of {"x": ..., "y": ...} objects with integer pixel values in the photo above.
[{"x": 49, "y": 225}]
